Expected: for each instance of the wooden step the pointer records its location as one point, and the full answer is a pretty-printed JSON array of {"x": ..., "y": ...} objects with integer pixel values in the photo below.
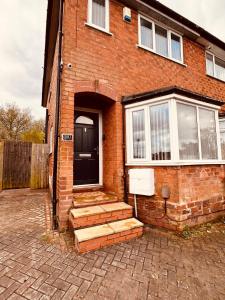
[
  {"x": 100, "y": 214},
  {"x": 96, "y": 237}
]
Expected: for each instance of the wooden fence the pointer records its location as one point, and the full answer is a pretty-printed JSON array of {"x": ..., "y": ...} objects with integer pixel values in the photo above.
[{"x": 23, "y": 165}]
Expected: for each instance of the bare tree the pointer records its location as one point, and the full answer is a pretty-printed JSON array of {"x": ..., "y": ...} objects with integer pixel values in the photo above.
[{"x": 13, "y": 121}]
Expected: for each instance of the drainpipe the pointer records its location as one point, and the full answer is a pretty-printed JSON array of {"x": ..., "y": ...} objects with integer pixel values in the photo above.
[
  {"x": 57, "y": 114},
  {"x": 124, "y": 153}
]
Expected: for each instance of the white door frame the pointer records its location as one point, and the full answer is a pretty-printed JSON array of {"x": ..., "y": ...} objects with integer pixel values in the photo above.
[{"x": 99, "y": 112}]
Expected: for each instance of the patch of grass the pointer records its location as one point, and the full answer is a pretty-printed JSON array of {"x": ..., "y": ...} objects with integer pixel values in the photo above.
[
  {"x": 186, "y": 233},
  {"x": 217, "y": 226}
]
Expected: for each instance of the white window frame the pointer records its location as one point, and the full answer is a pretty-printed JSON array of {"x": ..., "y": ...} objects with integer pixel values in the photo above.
[
  {"x": 222, "y": 119},
  {"x": 172, "y": 101},
  {"x": 89, "y": 17},
  {"x": 140, "y": 16},
  {"x": 214, "y": 65}
]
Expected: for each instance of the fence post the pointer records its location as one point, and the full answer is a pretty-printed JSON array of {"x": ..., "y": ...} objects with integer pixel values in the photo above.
[{"x": 1, "y": 164}]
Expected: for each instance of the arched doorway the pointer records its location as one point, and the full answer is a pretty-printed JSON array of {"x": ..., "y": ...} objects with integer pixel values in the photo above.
[{"x": 98, "y": 159}]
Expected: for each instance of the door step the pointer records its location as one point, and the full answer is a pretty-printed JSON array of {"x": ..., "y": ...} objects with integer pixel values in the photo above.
[
  {"x": 96, "y": 237},
  {"x": 84, "y": 199},
  {"x": 100, "y": 214}
]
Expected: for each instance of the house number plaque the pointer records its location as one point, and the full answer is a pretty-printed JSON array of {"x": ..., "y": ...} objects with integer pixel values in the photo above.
[{"x": 67, "y": 137}]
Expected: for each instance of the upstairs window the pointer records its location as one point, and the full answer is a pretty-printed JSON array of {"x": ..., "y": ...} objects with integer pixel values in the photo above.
[
  {"x": 98, "y": 14},
  {"x": 160, "y": 40},
  {"x": 215, "y": 66}
]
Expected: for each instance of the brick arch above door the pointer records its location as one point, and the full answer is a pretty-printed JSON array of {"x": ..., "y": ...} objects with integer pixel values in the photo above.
[{"x": 97, "y": 86}]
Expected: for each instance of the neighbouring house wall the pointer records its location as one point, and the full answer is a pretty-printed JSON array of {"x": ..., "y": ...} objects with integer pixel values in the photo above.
[{"x": 197, "y": 196}]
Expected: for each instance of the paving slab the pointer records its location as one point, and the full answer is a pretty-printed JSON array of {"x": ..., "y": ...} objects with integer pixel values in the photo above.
[{"x": 38, "y": 264}]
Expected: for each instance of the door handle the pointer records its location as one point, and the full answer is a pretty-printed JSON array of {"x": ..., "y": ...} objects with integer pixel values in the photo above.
[{"x": 97, "y": 150}]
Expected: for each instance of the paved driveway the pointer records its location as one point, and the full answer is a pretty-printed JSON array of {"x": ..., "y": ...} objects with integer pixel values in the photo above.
[{"x": 156, "y": 266}]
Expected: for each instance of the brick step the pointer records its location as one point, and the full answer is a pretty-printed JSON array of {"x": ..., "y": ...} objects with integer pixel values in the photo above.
[
  {"x": 100, "y": 214},
  {"x": 96, "y": 237}
]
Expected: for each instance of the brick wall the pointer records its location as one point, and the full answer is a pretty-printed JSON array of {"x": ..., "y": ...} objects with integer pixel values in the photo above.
[
  {"x": 124, "y": 69},
  {"x": 196, "y": 196}
]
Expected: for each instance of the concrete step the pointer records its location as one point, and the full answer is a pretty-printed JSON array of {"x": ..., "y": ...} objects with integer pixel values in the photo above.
[
  {"x": 86, "y": 199},
  {"x": 100, "y": 214},
  {"x": 96, "y": 237}
]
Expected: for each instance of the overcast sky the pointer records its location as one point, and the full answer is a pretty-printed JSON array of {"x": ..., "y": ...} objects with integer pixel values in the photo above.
[{"x": 22, "y": 31}]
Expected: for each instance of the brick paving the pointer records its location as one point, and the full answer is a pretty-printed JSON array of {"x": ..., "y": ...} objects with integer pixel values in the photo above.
[{"x": 157, "y": 266}]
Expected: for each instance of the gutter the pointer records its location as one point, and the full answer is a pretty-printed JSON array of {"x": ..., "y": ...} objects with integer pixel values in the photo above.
[{"x": 57, "y": 115}]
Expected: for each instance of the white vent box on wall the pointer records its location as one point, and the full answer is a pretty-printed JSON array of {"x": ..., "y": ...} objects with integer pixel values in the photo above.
[
  {"x": 142, "y": 182},
  {"x": 127, "y": 14}
]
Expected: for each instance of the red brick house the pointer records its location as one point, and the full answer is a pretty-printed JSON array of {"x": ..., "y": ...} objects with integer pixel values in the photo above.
[{"x": 133, "y": 93}]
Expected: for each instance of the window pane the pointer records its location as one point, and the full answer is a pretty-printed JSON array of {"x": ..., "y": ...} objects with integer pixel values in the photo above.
[
  {"x": 208, "y": 133},
  {"x": 84, "y": 120},
  {"x": 222, "y": 125},
  {"x": 160, "y": 132},
  {"x": 187, "y": 132},
  {"x": 222, "y": 137},
  {"x": 161, "y": 40},
  {"x": 139, "y": 149},
  {"x": 209, "y": 64},
  {"x": 175, "y": 47},
  {"x": 98, "y": 12},
  {"x": 146, "y": 34},
  {"x": 220, "y": 68}
]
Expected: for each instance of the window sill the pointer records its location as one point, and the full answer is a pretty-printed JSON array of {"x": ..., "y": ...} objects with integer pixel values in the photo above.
[
  {"x": 153, "y": 52},
  {"x": 213, "y": 77},
  {"x": 98, "y": 28},
  {"x": 171, "y": 164}
]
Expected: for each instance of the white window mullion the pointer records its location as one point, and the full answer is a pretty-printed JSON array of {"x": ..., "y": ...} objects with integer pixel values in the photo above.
[
  {"x": 139, "y": 30},
  {"x": 169, "y": 43},
  {"x": 214, "y": 66},
  {"x": 148, "y": 134},
  {"x": 174, "y": 131},
  {"x": 89, "y": 16},
  {"x": 219, "y": 151},
  {"x": 107, "y": 16},
  {"x": 153, "y": 34},
  {"x": 199, "y": 135}
]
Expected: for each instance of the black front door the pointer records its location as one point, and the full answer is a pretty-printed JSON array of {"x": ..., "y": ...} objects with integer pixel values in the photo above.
[{"x": 86, "y": 148}]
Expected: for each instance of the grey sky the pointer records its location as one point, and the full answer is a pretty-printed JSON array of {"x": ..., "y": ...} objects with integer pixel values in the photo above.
[{"x": 22, "y": 31}]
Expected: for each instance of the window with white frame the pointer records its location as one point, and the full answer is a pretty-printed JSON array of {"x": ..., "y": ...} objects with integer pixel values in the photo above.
[
  {"x": 160, "y": 40},
  {"x": 98, "y": 14},
  {"x": 174, "y": 130},
  {"x": 215, "y": 66}
]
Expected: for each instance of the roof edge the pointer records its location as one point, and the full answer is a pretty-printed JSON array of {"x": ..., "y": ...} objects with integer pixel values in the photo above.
[
  {"x": 169, "y": 90},
  {"x": 183, "y": 20}
]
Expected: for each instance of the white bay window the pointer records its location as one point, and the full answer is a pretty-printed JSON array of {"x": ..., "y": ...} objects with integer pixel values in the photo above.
[{"x": 173, "y": 130}]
